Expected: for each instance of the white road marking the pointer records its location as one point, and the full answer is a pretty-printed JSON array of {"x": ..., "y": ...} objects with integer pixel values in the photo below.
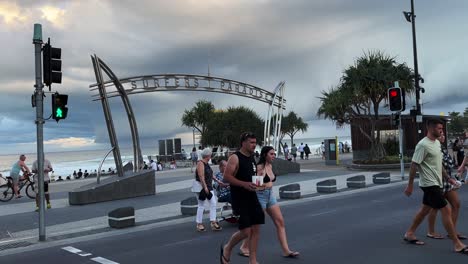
[
  {"x": 322, "y": 213},
  {"x": 72, "y": 250},
  {"x": 103, "y": 260},
  {"x": 81, "y": 253}
]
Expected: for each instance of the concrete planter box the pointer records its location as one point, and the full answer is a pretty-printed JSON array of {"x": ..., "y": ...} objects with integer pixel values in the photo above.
[
  {"x": 381, "y": 178},
  {"x": 122, "y": 217},
  {"x": 282, "y": 167},
  {"x": 114, "y": 188},
  {"x": 358, "y": 181},
  {"x": 291, "y": 191},
  {"x": 327, "y": 186},
  {"x": 189, "y": 206}
]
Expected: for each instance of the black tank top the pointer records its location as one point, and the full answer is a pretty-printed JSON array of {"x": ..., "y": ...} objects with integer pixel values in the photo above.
[
  {"x": 247, "y": 167},
  {"x": 208, "y": 176}
]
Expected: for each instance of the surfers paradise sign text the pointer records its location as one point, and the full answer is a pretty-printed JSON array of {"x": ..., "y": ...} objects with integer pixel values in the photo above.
[
  {"x": 192, "y": 82},
  {"x": 188, "y": 82}
]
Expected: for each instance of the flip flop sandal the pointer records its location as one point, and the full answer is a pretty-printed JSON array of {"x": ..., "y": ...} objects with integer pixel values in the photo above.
[
  {"x": 292, "y": 254},
  {"x": 461, "y": 237},
  {"x": 415, "y": 241},
  {"x": 222, "y": 258},
  {"x": 243, "y": 254},
  {"x": 200, "y": 228},
  {"x": 435, "y": 236},
  {"x": 463, "y": 251}
]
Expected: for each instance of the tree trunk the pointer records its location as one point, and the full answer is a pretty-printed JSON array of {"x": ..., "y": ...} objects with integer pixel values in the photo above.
[{"x": 376, "y": 150}]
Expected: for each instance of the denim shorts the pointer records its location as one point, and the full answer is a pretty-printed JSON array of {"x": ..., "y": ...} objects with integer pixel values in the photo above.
[{"x": 266, "y": 198}]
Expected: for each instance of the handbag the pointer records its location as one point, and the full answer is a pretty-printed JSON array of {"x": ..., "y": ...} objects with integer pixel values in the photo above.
[
  {"x": 196, "y": 186},
  {"x": 203, "y": 195}
]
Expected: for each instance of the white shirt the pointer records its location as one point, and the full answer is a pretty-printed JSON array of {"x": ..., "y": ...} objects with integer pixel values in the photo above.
[
  {"x": 199, "y": 154},
  {"x": 47, "y": 165},
  {"x": 300, "y": 148},
  {"x": 154, "y": 166}
]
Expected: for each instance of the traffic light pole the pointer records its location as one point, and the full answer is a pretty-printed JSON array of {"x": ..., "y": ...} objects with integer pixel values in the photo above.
[
  {"x": 400, "y": 136},
  {"x": 39, "y": 100},
  {"x": 416, "y": 73}
]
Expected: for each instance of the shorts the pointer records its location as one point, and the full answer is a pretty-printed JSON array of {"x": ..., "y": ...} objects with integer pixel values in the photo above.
[
  {"x": 250, "y": 215},
  {"x": 294, "y": 155},
  {"x": 14, "y": 177},
  {"x": 434, "y": 197},
  {"x": 266, "y": 198},
  {"x": 246, "y": 205},
  {"x": 46, "y": 187}
]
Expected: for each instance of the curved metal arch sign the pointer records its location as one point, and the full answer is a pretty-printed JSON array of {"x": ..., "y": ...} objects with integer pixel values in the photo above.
[
  {"x": 190, "y": 82},
  {"x": 177, "y": 82}
]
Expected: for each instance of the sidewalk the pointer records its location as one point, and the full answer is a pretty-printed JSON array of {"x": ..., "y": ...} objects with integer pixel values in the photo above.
[{"x": 175, "y": 192}]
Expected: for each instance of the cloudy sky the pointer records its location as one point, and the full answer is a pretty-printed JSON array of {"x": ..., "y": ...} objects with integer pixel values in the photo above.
[{"x": 306, "y": 43}]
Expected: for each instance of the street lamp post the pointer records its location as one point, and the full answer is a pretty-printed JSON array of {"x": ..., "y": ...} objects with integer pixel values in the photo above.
[{"x": 411, "y": 17}]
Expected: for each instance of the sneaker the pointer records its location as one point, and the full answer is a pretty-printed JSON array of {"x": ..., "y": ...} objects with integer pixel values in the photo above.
[
  {"x": 200, "y": 227},
  {"x": 215, "y": 226},
  {"x": 49, "y": 206}
]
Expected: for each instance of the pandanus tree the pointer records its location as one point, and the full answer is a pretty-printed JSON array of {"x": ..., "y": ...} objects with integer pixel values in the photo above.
[{"x": 362, "y": 91}]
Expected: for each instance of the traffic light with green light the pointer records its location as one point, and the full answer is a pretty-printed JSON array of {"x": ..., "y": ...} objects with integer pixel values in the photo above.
[{"x": 59, "y": 106}]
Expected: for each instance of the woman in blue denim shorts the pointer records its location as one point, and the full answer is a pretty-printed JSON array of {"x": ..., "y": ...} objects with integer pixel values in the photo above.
[{"x": 267, "y": 200}]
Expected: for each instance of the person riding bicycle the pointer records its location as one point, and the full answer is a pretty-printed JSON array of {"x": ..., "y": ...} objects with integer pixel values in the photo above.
[
  {"x": 47, "y": 168},
  {"x": 17, "y": 167}
]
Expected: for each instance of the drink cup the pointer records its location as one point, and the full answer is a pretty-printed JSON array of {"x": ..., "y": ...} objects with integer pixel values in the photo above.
[{"x": 257, "y": 180}]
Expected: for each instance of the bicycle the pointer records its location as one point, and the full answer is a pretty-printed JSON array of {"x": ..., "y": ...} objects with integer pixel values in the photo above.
[{"x": 6, "y": 190}]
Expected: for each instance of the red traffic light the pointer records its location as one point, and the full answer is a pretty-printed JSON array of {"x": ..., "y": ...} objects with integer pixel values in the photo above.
[{"x": 396, "y": 99}]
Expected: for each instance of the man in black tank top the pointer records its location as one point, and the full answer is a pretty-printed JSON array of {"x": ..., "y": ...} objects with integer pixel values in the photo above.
[{"x": 239, "y": 171}]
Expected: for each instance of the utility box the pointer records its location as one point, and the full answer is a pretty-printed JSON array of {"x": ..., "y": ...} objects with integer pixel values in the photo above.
[{"x": 330, "y": 151}]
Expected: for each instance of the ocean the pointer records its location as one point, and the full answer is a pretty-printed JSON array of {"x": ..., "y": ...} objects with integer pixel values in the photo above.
[{"x": 64, "y": 163}]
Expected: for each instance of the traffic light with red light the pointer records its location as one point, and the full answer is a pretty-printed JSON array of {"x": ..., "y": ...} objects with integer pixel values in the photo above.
[
  {"x": 396, "y": 99},
  {"x": 59, "y": 106}
]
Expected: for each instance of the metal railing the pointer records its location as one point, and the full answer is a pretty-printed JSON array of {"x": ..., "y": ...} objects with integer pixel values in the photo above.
[{"x": 98, "y": 176}]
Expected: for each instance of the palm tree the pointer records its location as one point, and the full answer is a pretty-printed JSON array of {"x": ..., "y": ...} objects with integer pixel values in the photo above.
[
  {"x": 291, "y": 124},
  {"x": 363, "y": 87},
  {"x": 198, "y": 116}
]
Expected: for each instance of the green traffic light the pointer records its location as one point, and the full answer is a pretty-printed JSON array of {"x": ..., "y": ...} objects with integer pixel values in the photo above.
[{"x": 59, "y": 112}]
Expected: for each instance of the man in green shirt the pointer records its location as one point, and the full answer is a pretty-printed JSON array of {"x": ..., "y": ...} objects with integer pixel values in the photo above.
[{"x": 427, "y": 159}]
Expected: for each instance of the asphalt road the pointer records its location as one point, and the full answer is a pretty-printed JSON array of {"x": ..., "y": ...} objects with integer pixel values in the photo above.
[
  {"x": 29, "y": 220},
  {"x": 365, "y": 227}
]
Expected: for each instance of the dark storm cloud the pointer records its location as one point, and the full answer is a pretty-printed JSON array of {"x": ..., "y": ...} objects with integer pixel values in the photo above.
[{"x": 306, "y": 43}]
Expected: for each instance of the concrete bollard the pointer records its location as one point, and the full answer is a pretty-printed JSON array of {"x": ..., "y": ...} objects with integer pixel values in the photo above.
[
  {"x": 290, "y": 191},
  {"x": 327, "y": 186},
  {"x": 122, "y": 217},
  {"x": 381, "y": 178},
  {"x": 189, "y": 206},
  {"x": 358, "y": 181}
]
